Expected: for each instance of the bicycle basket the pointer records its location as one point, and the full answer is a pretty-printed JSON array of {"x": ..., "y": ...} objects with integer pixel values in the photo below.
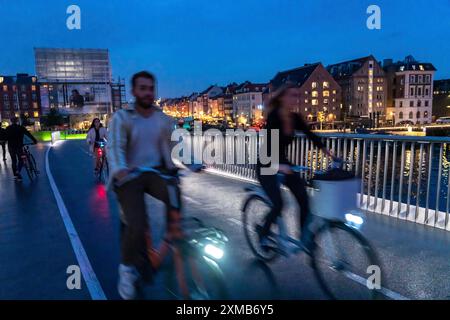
[{"x": 334, "y": 194}]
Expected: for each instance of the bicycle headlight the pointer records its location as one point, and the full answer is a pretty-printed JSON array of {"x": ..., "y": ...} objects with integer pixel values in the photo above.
[
  {"x": 213, "y": 251},
  {"x": 354, "y": 220}
]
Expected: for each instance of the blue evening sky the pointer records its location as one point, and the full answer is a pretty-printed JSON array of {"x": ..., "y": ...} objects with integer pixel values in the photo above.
[{"x": 193, "y": 43}]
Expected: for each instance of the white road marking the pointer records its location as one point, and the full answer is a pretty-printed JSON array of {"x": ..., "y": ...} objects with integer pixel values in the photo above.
[
  {"x": 88, "y": 273},
  {"x": 192, "y": 200},
  {"x": 363, "y": 281}
]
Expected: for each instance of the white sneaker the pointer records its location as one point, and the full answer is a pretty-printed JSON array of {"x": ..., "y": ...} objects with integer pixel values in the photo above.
[{"x": 128, "y": 277}]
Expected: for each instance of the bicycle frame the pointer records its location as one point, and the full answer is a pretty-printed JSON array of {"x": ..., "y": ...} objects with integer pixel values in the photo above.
[{"x": 174, "y": 238}]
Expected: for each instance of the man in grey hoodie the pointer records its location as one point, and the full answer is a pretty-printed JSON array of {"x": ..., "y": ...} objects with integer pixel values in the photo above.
[{"x": 139, "y": 136}]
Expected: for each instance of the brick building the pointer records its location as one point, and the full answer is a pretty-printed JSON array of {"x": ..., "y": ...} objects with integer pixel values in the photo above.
[
  {"x": 317, "y": 91},
  {"x": 364, "y": 88},
  {"x": 19, "y": 96}
]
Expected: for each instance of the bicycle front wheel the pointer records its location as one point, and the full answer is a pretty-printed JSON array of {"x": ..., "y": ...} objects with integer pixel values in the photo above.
[
  {"x": 26, "y": 164},
  {"x": 33, "y": 165},
  {"x": 343, "y": 261},
  {"x": 196, "y": 277},
  {"x": 104, "y": 173}
]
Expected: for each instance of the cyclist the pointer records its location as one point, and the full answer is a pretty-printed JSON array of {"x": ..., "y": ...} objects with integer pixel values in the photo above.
[
  {"x": 139, "y": 136},
  {"x": 15, "y": 134},
  {"x": 3, "y": 142},
  {"x": 279, "y": 117},
  {"x": 96, "y": 134}
]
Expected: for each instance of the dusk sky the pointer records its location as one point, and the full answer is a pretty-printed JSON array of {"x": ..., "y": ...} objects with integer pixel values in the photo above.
[{"x": 191, "y": 44}]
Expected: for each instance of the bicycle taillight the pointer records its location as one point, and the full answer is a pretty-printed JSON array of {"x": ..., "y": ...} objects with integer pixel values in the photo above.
[{"x": 99, "y": 151}]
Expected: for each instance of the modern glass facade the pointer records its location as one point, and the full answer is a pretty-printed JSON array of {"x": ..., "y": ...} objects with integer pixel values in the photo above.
[
  {"x": 76, "y": 81},
  {"x": 73, "y": 65}
]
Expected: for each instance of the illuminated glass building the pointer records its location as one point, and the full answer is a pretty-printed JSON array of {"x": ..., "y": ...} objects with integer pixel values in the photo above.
[
  {"x": 73, "y": 65},
  {"x": 76, "y": 81}
]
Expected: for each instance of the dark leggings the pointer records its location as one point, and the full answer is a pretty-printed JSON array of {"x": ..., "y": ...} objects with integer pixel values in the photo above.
[
  {"x": 3, "y": 144},
  {"x": 135, "y": 225},
  {"x": 271, "y": 185},
  {"x": 16, "y": 159}
]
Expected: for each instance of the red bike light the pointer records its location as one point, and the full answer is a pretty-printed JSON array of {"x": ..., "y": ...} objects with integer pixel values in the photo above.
[{"x": 99, "y": 151}]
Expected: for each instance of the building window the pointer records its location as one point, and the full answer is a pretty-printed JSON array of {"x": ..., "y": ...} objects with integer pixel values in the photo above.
[
  {"x": 427, "y": 92},
  {"x": 412, "y": 78},
  {"x": 427, "y": 78},
  {"x": 315, "y": 102},
  {"x": 401, "y": 104},
  {"x": 419, "y": 91},
  {"x": 5, "y": 88},
  {"x": 326, "y": 84},
  {"x": 326, "y": 93},
  {"x": 325, "y": 101},
  {"x": 33, "y": 88},
  {"x": 400, "y": 115},
  {"x": 426, "y": 103},
  {"x": 425, "y": 114},
  {"x": 411, "y": 91},
  {"x": 306, "y": 100},
  {"x": 306, "y": 92},
  {"x": 314, "y": 85},
  {"x": 420, "y": 78},
  {"x": 418, "y": 115},
  {"x": 411, "y": 103},
  {"x": 36, "y": 114},
  {"x": 411, "y": 115},
  {"x": 419, "y": 103},
  {"x": 360, "y": 88},
  {"x": 334, "y": 91},
  {"x": 35, "y": 105},
  {"x": 315, "y": 94}
]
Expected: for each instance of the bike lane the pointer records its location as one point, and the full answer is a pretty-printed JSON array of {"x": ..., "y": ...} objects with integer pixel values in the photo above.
[
  {"x": 95, "y": 215},
  {"x": 35, "y": 250}
]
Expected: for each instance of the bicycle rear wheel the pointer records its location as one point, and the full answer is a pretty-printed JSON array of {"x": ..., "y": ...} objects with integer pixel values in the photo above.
[
  {"x": 341, "y": 258},
  {"x": 253, "y": 215},
  {"x": 202, "y": 276}
]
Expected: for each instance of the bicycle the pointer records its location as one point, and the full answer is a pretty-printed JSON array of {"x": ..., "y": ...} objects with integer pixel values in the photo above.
[
  {"x": 102, "y": 173},
  {"x": 334, "y": 235},
  {"x": 196, "y": 252},
  {"x": 29, "y": 163}
]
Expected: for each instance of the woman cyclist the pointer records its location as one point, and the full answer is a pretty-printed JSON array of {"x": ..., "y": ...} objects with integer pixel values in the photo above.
[
  {"x": 97, "y": 133},
  {"x": 279, "y": 117}
]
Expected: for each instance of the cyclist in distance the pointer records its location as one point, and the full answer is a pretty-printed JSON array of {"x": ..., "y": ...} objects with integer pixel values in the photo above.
[
  {"x": 139, "y": 136},
  {"x": 96, "y": 133},
  {"x": 15, "y": 134},
  {"x": 3, "y": 141},
  {"x": 279, "y": 117}
]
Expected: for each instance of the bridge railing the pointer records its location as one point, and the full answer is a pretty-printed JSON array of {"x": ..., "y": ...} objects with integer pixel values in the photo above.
[{"x": 402, "y": 176}]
